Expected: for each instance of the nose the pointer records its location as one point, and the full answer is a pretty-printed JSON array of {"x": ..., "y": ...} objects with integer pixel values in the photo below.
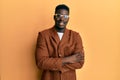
[{"x": 61, "y": 18}]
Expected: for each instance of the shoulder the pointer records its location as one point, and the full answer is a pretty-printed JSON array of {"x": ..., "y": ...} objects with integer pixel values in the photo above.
[
  {"x": 73, "y": 32},
  {"x": 44, "y": 32},
  {"x": 76, "y": 35}
]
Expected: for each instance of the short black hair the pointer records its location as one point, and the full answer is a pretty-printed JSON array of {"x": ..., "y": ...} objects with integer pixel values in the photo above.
[{"x": 61, "y": 6}]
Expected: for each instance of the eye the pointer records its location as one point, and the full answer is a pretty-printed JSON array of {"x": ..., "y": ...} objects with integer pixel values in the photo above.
[{"x": 58, "y": 15}]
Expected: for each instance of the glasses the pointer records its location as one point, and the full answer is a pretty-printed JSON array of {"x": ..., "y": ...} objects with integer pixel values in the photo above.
[{"x": 60, "y": 15}]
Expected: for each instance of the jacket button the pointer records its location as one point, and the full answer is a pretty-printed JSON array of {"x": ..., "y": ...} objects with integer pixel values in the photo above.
[{"x": 60, "y": 55}]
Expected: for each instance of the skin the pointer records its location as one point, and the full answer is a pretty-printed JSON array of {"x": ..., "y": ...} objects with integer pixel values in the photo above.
[
  {"x": 77, "y": 57},
  {"x": 60, "y": 26}
]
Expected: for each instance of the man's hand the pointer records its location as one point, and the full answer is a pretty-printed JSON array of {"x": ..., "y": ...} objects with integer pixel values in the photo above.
[{"x": 73, "y": 59}]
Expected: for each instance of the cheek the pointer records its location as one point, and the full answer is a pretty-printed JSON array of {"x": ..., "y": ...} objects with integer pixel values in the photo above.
[
  {"x": 66, "y": 20},
  {"x": 56, "y": 19}
]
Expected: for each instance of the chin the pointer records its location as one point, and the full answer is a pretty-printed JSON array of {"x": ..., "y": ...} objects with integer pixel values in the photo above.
[{"x": 61, "y": 27}]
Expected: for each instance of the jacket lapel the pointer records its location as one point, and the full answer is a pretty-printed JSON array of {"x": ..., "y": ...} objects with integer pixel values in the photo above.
[
  {"x": 54, "y": 35},
  {"x": 65, "y": 37}
]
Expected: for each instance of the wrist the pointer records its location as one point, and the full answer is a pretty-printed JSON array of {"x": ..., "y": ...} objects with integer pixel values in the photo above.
[{"x": 65, "y": 60}]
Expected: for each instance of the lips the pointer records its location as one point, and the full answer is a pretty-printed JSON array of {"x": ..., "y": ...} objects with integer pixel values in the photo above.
[{"x": 61, "y": 23}]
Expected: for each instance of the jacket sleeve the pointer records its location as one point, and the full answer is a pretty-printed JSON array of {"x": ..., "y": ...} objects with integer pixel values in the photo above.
[
  {"x": 78, "y": 49},
  {"x": 43, "y": 60}
]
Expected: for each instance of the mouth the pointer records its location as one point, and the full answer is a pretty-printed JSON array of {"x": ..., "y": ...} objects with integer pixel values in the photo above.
[{"x": 61, "y": 23}]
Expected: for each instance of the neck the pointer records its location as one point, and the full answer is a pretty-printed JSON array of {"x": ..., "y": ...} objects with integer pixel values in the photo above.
[{"x": 59, "y": 29}]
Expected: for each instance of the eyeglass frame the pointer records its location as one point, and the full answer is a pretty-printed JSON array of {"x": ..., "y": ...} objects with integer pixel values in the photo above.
[{"x": 62, "y": 15}]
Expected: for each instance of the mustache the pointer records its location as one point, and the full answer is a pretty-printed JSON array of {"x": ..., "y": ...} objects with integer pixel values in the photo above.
[{"x": 62, "y": 22}]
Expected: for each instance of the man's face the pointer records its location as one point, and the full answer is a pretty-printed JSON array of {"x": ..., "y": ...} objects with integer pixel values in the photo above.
[{"x": 61, "y": 18}]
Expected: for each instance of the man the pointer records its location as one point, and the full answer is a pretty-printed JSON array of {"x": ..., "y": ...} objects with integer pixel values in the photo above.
[{"x": 59, "y": 51}]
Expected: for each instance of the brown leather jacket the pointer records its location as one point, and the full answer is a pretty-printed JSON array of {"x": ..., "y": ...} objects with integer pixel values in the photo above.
[{"x": 50, "y": 51}]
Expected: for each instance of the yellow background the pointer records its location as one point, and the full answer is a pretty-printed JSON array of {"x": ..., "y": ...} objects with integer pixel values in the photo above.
[{"x": 98, "y": 22}]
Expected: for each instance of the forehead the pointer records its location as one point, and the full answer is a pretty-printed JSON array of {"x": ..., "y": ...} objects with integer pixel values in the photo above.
[{"x": 62, "y": 11}]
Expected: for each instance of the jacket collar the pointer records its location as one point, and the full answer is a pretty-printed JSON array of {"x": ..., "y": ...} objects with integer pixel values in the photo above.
[{"x": 56, "y": 37}]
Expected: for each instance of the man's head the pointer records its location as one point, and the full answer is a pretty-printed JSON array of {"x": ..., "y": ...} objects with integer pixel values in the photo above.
[{"x": 61, "y": 16}]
